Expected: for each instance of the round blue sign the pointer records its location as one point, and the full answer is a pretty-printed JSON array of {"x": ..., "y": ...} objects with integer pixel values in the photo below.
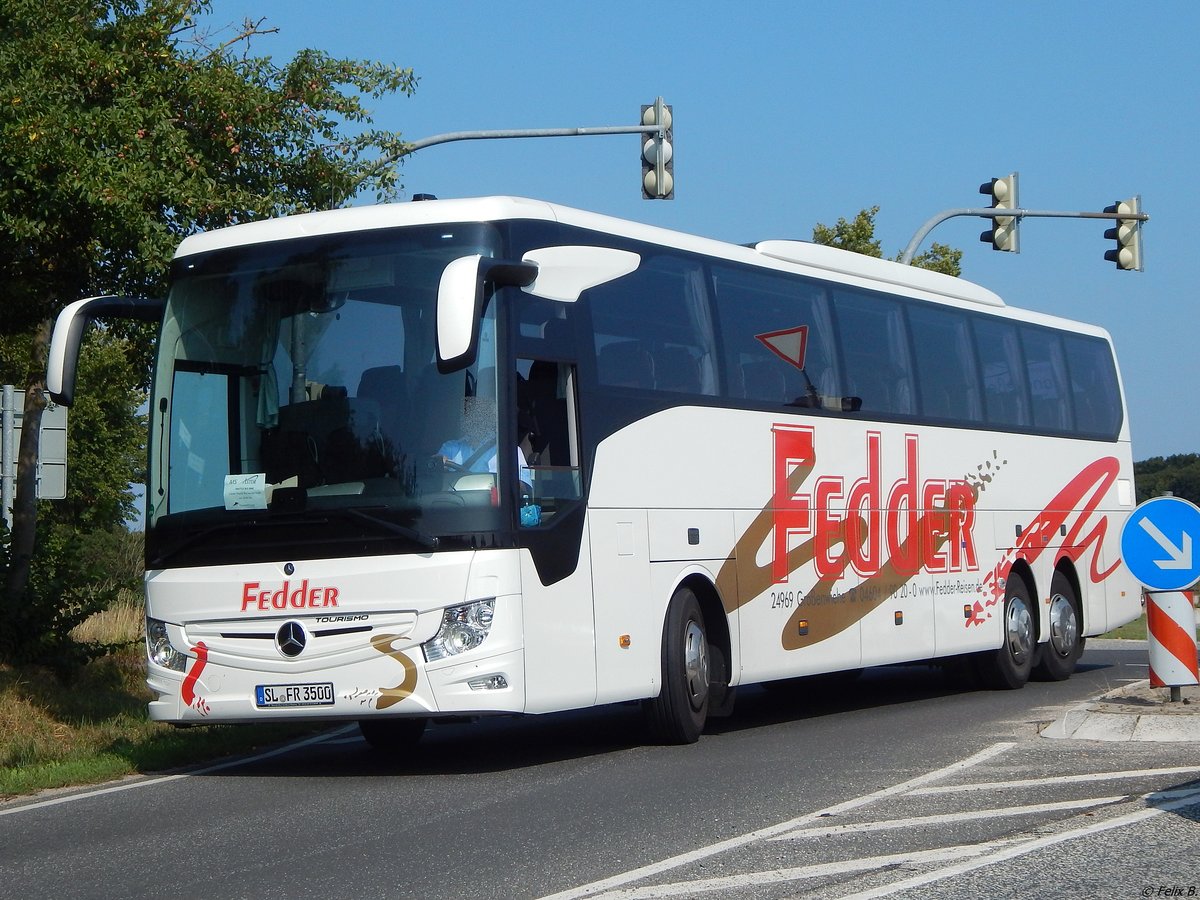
[{"x": 1161, "y": 543}]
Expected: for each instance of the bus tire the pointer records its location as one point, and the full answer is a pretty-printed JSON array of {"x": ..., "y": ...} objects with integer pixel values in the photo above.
[
  {"x": 1062, "y": 651},
  {"x": 392, "y": 735},
  {"x": 677, "y": 715},
  {"x": 1008, "y": 667}
]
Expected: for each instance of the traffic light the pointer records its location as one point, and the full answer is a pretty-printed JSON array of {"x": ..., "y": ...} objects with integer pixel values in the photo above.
[
  {"x": 1003, "y": 233},
  {"x": 658, "y": 163},
  {"x": 1127, "y": 234}
]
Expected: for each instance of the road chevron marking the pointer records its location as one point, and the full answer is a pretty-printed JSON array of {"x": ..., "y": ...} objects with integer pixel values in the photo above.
[
  {"x": 798, "y": 873},
  {"x": 1054, "y": 779},
  {"x": 1014, "y": 851},
  {"x": 945, "y": 818},
  {"x": 683, "y": 859}
]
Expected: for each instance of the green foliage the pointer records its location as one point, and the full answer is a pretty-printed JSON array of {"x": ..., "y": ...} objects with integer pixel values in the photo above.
[
  {"x": 858, "y": 236},
  {"x": 1179, "y": 474},
  {"x": 106, "y": 437},
  {"x": 939, "y": 258},
  {"x": 124, "y": 127},
  {"x": 71, "y": 578}
]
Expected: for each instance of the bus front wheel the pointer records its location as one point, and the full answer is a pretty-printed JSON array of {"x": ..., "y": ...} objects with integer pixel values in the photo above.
[
  {"x": 1008, "y": 667},
  {"x": 677, "y": 715}
]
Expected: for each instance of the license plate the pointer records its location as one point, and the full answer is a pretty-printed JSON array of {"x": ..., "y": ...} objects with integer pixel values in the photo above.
[{"x": 268, "y": 695}]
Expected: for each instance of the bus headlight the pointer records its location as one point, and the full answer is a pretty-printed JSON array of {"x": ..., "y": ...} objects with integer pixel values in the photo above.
[
  {"x": 463, "y": 628},
  {"x": 159, "y": 647}
]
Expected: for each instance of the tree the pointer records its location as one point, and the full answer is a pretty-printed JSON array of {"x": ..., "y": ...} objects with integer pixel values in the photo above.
[
  {"x": 124, "y": 127},
  {"x": 858, "y": 236},
  {"x": 1179, "y": 474}
]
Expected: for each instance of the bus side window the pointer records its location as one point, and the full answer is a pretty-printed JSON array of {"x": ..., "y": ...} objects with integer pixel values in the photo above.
[
  {"x": 1094, "y": 389},
  {"x": 1004, "y": 395},
  {"x": 874, "y": 347}
]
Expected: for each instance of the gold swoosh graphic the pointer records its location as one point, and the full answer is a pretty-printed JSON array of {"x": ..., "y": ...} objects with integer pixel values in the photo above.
[{"x": 389, "y": 697}]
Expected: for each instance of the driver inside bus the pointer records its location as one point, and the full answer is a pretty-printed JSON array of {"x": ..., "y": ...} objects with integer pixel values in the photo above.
[{"x": 476, "y": 449}]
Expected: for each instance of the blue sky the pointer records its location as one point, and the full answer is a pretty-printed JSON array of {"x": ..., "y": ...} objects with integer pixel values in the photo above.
[{"x": 788, "y": 114}]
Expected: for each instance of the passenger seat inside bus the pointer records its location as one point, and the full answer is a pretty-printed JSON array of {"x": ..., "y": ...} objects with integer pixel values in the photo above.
[
  {"x": 327, "y": 441},
  {"x": 764, "y": 380},
  {"x": 675, "y": 369},
  {"x": 385, "y": 385},
  {"x": 625, "y": 364}
]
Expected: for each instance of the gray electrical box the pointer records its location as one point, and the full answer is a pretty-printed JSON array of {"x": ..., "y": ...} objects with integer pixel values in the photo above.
[{"x": 52, "y": 453}]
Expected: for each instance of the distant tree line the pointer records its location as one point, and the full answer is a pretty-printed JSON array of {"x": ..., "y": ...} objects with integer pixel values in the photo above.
[{"x": 1179, "y": 474}]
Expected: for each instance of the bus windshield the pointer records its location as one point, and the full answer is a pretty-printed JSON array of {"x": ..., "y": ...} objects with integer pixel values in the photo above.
[{"x": 296, "y": 389}]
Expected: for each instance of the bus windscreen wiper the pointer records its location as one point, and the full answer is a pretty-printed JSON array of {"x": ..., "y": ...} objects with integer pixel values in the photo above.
[{"x": 428, "y": 541}]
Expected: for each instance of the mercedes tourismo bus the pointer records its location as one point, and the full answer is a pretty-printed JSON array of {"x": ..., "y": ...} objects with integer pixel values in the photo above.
[{"x": 483, "y": 456}]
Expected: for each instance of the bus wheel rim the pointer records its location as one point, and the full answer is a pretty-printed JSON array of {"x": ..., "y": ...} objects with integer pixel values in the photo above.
[
  {"x": 695, "y": 663},
  {"x": 1064, "y": 625},
  {"x": 1020, "y": 630}
]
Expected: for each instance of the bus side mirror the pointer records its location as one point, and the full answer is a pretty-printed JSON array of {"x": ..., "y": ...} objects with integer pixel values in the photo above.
[
  {"x": 566, "y": 272},
  {"x": 556, "y": 273},
  {"x": 68, "y": 335},
  {"x": 460, "y": 304}
]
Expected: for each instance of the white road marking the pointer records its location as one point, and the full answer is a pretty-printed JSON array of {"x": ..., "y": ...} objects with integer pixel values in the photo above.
[
  {"x": 797, "y": 873},
  {"x": 683, "y": 859},
  {"x": 1017, "y": 850},
  {"x": 945, "y": 818},
  {"x": 1054, "y": 779},
  {"x": 163, "y": 779}
]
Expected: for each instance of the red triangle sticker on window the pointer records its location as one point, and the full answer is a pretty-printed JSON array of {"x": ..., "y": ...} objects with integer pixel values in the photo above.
[{"x": 789, "y": 344}]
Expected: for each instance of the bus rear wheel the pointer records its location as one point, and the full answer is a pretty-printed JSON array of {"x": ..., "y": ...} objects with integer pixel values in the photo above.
[
  {"x": 1008, "y": 667},
  {"x": 1062, "y": 651},
  {"x": 392, "y": 735},
  {"x": 677, "y": 715}
]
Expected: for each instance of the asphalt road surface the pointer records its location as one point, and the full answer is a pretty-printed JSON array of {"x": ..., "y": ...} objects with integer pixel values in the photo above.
[{"x": 904, "y": 783}]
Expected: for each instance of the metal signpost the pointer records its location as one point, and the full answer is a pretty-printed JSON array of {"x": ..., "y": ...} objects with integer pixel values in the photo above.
[{"x": 52, "y": 454}]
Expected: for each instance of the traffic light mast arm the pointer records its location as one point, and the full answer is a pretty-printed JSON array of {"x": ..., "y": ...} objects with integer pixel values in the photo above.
[
  {"x": 526, "y": 133},
  {"x": 660, "y": 129},
  {"x": 996, "y": 213}
]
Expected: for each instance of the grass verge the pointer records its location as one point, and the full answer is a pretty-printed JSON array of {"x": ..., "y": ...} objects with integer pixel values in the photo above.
[
  {"x": 1130, "y": 631},
  {"x": 96, "y": 728}
]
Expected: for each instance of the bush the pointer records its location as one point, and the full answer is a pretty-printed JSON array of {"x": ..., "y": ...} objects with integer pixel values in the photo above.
[{"x": 72, "y": 577}]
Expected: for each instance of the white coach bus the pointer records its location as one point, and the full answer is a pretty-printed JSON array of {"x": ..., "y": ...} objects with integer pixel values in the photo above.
[{"x": 487, "y": 456}]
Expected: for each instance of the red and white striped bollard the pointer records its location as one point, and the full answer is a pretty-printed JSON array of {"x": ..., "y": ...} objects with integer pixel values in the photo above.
[{"x": 1171, "y": 619}]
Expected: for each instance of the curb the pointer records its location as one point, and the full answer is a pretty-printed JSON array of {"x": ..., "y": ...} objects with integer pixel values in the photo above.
[{"x": 1135, "y": 712}]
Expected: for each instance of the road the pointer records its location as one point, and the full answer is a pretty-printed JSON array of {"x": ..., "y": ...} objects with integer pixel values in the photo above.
[{"x": 904, "y": 784}]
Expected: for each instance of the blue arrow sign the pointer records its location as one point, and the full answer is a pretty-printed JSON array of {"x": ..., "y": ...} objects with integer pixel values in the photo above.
[{"x": 1161, "y": 543}]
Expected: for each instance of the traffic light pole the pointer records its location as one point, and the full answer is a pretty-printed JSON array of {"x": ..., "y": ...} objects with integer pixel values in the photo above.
[{"x": 994, "y": 213}]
